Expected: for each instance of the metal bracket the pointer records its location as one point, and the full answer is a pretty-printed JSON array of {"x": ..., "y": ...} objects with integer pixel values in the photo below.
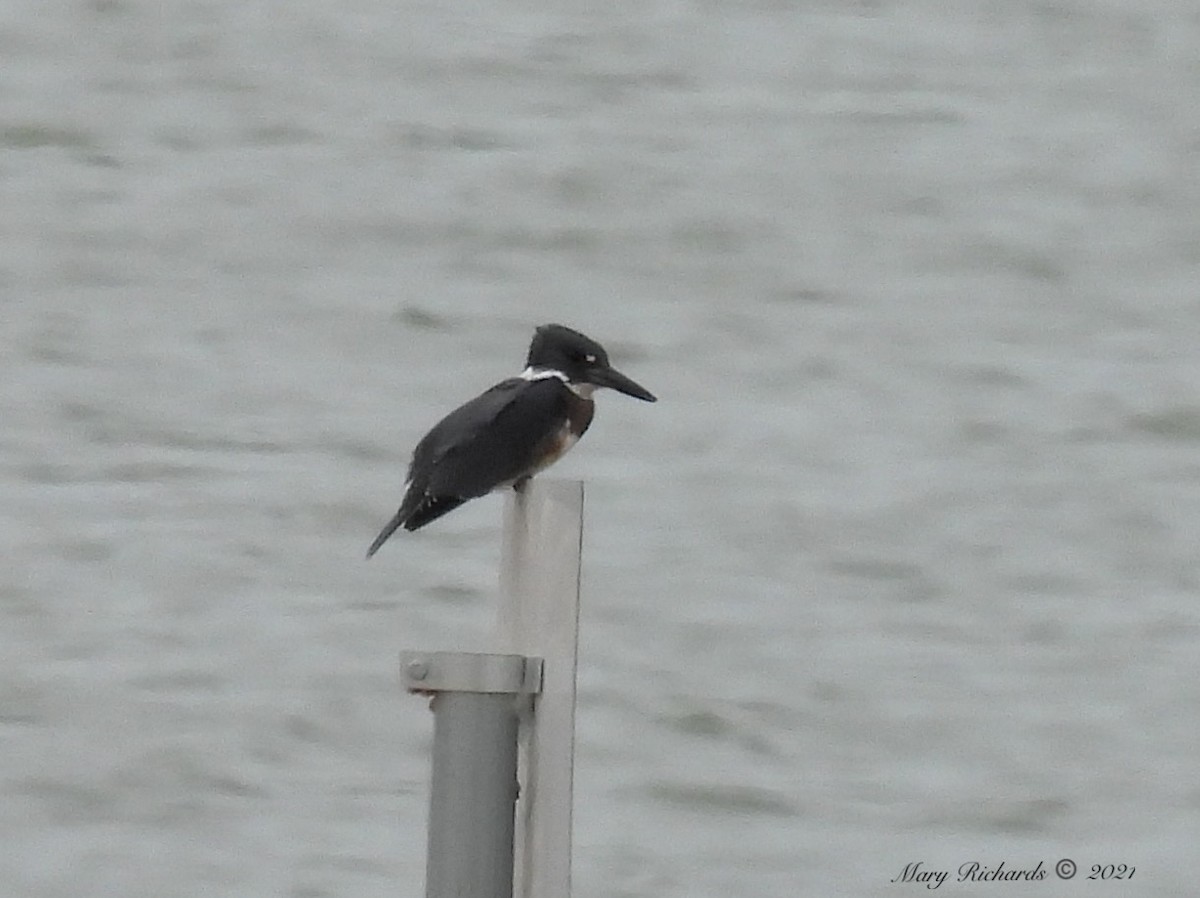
[{"x": 432, "y": 672}]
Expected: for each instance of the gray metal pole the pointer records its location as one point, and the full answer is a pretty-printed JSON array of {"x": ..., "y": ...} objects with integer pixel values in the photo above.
[
  {"x": 474, "y": 789},
  {"x": 539, "y": 615},
  {"x": 473, "y": 797}
]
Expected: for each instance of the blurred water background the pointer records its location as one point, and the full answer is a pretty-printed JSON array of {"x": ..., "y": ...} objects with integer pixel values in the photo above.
[{"x": 901, "y": 567}]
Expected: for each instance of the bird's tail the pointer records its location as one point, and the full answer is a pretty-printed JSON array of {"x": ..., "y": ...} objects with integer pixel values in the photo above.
[
  {"x": 392, "y": 526},
  {"x": 417, "y": 510}
]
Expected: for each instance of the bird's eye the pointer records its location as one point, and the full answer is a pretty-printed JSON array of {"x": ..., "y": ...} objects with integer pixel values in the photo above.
[{"x": 590, "y": 359}]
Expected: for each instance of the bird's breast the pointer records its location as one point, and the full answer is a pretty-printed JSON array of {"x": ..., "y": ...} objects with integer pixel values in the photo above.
[
  {"x": 563, "y": 441},
  {"x": 567, "y": 434}
]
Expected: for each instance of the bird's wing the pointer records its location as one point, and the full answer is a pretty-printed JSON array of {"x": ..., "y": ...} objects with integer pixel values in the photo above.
[
  {"x": 471, "y": 450},
  {"x": 492, "y": 438}
]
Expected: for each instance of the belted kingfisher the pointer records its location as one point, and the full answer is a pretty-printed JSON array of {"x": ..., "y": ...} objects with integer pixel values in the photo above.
[{"x": 507, "y": 434}]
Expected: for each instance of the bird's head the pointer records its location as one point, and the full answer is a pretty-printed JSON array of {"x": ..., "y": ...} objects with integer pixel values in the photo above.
[{"x": 581, "y": 360}]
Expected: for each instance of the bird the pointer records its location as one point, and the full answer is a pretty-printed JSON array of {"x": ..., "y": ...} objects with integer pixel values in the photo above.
[{"x": 510, "y": 432}]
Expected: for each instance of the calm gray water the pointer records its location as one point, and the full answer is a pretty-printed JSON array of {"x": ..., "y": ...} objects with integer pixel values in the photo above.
[{"x": 902, "y": 566}]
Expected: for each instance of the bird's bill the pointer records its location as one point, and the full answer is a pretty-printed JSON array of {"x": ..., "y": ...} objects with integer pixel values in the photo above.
[{"x": 614, "y": 379}]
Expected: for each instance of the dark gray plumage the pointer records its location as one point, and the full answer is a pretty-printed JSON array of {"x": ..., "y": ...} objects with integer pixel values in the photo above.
[{"x": 510, "y": 432}]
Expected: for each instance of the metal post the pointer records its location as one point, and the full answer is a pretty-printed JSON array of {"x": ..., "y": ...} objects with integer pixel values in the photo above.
[
  {"x": 539, "y": 615},
  {"x": 474, "y": 789}
]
